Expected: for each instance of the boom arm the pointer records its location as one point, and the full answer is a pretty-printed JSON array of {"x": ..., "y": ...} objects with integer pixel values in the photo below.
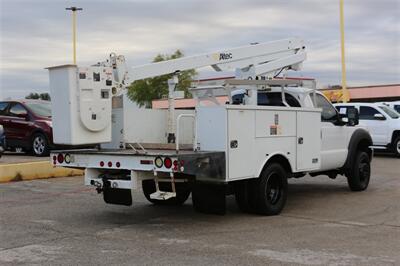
[{"x": 265, "y": 58}]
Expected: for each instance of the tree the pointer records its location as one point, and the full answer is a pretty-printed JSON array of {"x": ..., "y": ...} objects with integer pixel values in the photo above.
[
  {"x": 33, "y": 95},
  {"x": 45, "y": 96},
  {"x": 144, "y": 91},
  {"x": 42, "y": 96}
]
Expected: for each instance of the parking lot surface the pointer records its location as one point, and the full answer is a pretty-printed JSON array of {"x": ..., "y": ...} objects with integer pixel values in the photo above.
[
  {"x": 14, "y": 157},
  {"x": 61, "y": 222}
]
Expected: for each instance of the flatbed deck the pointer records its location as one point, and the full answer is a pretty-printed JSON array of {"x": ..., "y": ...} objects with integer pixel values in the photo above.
[{"x": 130, "y": 152}]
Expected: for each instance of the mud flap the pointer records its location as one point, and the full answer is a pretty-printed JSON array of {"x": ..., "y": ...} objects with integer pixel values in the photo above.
[
  {"x": 209, "y": 198},
  {"x": 116, "y": 195}
]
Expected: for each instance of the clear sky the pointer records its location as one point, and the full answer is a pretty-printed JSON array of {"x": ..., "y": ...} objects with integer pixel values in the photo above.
[{"x": 36, "y": 34}]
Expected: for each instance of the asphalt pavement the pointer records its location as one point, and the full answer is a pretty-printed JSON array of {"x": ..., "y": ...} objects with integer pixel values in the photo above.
[
  {"x": 19, "y": 157},
  {"x": 61, "y": 222}
]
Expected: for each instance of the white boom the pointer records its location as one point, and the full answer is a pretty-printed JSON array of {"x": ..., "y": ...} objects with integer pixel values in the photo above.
[{"x": 266, "y": 58}]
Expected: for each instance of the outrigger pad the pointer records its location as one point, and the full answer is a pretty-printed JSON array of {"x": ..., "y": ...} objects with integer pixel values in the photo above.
[
  {"x": 116, "y": 195},
  {"x": 209, "y": 198}
]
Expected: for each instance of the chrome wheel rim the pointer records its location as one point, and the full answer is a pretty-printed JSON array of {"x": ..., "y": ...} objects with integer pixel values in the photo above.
[
  {"x": 398, "y": 147},
  {"x": 39, "y": 145}
]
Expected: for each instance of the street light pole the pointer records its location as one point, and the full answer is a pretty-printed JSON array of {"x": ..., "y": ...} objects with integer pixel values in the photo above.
[
  {"x": 74, "y": 9},
  {"x": 345, "y": 92}
]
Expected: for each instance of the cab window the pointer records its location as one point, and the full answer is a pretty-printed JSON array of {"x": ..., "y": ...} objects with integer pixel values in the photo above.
[
  {"x": 17, "y": 110},
  {"x": 329, "y": 112},
  {"x": 275, "y": 99},
  {"x": 367, "y": 113},
  {"x": 269, "y": 99}
]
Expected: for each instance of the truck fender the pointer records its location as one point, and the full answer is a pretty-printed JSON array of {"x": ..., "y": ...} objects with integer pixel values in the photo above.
[
  {"x": 360, "y": 140},
  {"x": 276, "y": 157}
]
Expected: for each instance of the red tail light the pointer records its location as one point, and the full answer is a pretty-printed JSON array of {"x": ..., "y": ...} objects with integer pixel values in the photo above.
[
  {"x": 175, "y": 165},
  {"x": 118, "y": 164},
  {"x": 60, "y": 158},
  {"x": 101, "y": 163},
  {"x": 167, "y": 162},
  {"x": 109, "y": 164}
]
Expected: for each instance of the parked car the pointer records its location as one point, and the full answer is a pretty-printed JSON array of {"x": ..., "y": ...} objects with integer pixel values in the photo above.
[
  {"x": 395, "y": 105},
  {"x": 2, "y": 140},
  {"x": 27, "y": 125},
  {"x": 382, "y": 122}
]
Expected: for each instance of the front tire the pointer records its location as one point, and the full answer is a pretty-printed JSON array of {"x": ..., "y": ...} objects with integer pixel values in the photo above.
[
  {"x": 360, "y": 172},
  {"x": 270, "y": 190},
  {"x": 40, "y": 145}
]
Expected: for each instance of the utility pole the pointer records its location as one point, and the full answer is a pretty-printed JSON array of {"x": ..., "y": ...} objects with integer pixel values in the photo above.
[
  {"x": 74, "y": 9},
  {"x": 345, "y": 93}
]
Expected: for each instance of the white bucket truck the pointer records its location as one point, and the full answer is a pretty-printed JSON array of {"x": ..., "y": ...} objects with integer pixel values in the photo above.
[{"x": 269, "y": 130}]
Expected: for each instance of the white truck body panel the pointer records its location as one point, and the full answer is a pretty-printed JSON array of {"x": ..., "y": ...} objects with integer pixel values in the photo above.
[
  {"x": 334, "y": 148},
  {"x": 150, "y": 125},
  {"x": 250, "y": 135}
]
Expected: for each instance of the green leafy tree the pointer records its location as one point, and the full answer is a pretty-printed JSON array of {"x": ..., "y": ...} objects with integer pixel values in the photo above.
[
  {"x": 36, "y": 96},
  {"x": 145, "y": 90},
  {"x": 33, "y": 95},
  {"x": 45, "y": 96}
]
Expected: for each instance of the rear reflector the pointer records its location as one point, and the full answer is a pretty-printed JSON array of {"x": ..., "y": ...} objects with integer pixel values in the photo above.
[{"x": 60, "y": 158}]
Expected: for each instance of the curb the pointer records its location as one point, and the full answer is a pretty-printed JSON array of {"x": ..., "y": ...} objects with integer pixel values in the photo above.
[{"x": 34, "y": 170}]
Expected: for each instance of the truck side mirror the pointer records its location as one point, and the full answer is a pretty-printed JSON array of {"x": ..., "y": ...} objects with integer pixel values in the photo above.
[
  {"x": 379, "y": 117},
  {"x": 352, "y": 116}
]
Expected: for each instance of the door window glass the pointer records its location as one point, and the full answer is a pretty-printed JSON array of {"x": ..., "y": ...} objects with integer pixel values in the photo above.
[
  {"x": 367, "y": 113},
  {"x": 329, "y": 112},
  {"x": 275, "y": 99},
  {"x": 17, "y": 110}
]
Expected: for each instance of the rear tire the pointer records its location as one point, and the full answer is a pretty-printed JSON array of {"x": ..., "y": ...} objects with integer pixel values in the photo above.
[
  {"x": 360, "y": 172},
  {"x": 182, "y": 192},
  {"x": 244, "y": 195},
  {"x": 40, "y": 145},
  {"x": 270, "y": 190}
]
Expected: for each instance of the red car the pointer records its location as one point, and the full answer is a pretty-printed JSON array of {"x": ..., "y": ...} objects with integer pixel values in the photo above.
[{"x": 27, "y": 125}]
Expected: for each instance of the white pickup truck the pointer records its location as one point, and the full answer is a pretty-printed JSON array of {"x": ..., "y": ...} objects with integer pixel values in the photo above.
[
  {"x": 249, "y": 146},
  {"x": 382, "y": 122}
]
